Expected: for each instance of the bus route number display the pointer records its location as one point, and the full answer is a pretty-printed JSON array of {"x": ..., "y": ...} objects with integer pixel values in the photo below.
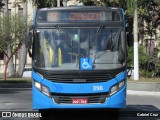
[{"x": 85, "y": 16}]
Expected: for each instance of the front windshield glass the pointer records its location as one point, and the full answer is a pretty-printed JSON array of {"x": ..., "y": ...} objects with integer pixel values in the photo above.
[{"x": 63, "y": 48}]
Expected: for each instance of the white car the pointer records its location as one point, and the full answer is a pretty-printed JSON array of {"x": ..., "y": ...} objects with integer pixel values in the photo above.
[{"x": 27, "y": 72}]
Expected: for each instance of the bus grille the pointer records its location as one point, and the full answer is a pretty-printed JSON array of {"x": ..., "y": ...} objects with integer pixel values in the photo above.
[
  {"x": 80, "y": 78},
  {"x": 67, "y": 99}
]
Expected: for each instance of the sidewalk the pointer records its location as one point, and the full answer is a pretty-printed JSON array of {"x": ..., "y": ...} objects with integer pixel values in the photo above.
[
  {"x": 141, "y": 93},
  {"x": 144, "y": 86},
  {"x": 14, "y": 84}
]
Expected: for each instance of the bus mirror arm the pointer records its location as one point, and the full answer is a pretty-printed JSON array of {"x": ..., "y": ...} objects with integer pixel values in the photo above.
[
  {"x": 28, "y": 42},
  {"x": 29, "y": 52},
  {"x": 28, "y": 39}
]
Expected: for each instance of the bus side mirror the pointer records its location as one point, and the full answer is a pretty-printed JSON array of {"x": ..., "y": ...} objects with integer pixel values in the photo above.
[
  {"x": 129, "y": 38},
  {"x": 28, "y": 39}
]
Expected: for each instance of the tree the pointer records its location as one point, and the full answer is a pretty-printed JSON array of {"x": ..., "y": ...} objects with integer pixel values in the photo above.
[
  {"x": 1, "y": 4},
  {"x": 11, "y": 25},
  {"x": 23, "y": 52},
  {"x": 151, "y": 18},
  {"x": 10, "y": 65},
  {"x": 46, "y": 3}
]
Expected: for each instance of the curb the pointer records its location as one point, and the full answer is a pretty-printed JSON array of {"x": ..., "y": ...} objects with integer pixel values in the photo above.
[
  {"x": 144, "y": 86},
  {"x": 141, "y": 93},
  {"x": 15, "y": 85}
]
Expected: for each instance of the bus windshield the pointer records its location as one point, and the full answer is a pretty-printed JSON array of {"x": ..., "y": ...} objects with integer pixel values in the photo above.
[{"x": 62, "y": 48}]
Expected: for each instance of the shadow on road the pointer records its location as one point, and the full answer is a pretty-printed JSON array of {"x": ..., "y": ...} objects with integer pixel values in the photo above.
[
  {"x": 12, "y": 91},
  {"x": 130, "y": 113},
  {"x": 141, "y": 108},
  {"x": 23, "y": 96},
  {"x": 133, "y": 112},
  {"x": 83, "y": 114}
]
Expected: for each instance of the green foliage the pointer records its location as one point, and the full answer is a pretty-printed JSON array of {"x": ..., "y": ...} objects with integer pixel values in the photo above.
[
  {"x": 12, "y": 32},
  {"x": 5, "y": 32},
  {"x": 100, "y": 3},
  {"x": 92, "y": 2},
  {"x": 130, "y": 7},
  {"x": 149, "y": 64},
  {"x": 130, "y": 56},
  {"x": 149, "y": 11},
  {"x": 87, "y": 2},
  {"x": 144, "y": 73},
  {"x": 143, "y": 58},
  {"x": 49, "y": 3},
  {"x": 145, "y": 62},
  {"x": 157, "y": 1},
  {"x": 46, "y": 3},
  {"x": 154, "y": 62}
]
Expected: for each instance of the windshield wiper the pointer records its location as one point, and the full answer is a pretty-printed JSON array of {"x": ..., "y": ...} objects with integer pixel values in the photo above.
[
  {"x": 96, "y": 35},
  {"x": 64, "y": 36}
]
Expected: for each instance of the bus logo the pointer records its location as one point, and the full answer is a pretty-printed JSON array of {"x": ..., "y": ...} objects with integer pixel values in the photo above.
[{"x": 86, "y": 64}]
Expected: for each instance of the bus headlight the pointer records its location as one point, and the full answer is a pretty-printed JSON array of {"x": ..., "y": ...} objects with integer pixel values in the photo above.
[
  {"x": 42, "y": 88},
  {"x": 37, "y": 85},
  {"x": 114, "y": 89},
  {"x": 117, "y": 87},
  {"x": 45, "y": 90},
  {"x": 121, "y": 84}
]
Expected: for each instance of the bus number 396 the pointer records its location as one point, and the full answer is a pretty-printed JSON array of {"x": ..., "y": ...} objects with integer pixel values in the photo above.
[{"x": 98, "y": 88}]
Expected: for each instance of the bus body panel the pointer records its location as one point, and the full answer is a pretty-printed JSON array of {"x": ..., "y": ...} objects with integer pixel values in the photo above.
[
  {"x": 79, "y": 88},
  {"x": 41, "y": 101}
]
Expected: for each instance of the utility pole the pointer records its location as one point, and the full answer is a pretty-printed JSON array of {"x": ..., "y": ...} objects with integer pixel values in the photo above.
[
  {"x": 136, "y": 62},
  {"x": 23, "y": 51},
  {"x": 58, "y": 3}
]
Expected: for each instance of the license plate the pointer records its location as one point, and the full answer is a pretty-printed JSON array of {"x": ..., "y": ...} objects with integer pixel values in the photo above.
[{"x": 79, "y": 100}]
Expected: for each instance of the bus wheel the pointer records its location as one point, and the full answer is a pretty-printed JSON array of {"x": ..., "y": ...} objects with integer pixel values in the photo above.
[{"x": 46, "y": 114}]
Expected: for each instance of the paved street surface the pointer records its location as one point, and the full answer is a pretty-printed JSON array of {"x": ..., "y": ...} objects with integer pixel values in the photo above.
[{"x": 14, "y": 99}]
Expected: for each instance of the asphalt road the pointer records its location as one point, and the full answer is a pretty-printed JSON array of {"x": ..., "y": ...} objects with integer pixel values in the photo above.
[{"x": 13, "y": 99}]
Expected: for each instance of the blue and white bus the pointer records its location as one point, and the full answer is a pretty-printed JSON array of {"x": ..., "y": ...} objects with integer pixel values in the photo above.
[{"x": 79, "y": 58}]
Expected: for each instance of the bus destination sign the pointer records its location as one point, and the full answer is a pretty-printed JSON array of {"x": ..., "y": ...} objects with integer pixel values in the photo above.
[
  {"x": 71, "y": 16},
  {"x": 85, "y": 16}
]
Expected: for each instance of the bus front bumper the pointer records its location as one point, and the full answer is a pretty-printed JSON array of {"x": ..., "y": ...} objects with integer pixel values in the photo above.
[{"x": 41, "y": 101}]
